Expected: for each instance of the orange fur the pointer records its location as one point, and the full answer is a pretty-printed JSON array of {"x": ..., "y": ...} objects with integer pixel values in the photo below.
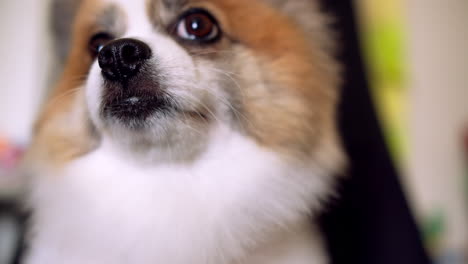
[
  {"x": 63, "y": 131},
  {"x": 297, "y": 109}
]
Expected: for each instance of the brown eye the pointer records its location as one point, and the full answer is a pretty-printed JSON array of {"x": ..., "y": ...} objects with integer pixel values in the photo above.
[
  {"x": 97, "y": 42},
  {"x": 197, "y": 24}
]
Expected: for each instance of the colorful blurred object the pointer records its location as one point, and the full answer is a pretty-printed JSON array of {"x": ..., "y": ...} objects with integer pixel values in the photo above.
[
  {"x": 465, "y": 142},
  {"x": 390, "y": 40},
  {"x": 465, "y": 146},
  {"x": 383, "y": 41},
  {"x": 10, "y": 154}
]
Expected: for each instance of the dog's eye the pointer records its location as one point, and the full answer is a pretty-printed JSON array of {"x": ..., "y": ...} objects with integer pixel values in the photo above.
[
  {"x": 198, "y": 25},
  {"x": 98, "y": 41}
]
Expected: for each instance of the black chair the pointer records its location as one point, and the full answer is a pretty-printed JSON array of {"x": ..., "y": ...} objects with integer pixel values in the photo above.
[{"x": 12, "y": 219}]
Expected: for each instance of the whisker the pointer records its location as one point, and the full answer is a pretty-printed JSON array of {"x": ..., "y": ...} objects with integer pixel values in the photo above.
[{"x": 57, "y": 98}]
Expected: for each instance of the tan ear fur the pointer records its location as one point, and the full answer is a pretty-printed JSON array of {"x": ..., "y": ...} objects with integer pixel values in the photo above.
[
  {"x": 309, "y": 15},
  {"x": 63, "y": 131}
]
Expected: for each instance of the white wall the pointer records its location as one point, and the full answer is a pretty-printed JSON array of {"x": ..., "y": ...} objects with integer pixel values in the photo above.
[
  {"x": 439, "y": 111},
  {"x": 24, "y": 64}
]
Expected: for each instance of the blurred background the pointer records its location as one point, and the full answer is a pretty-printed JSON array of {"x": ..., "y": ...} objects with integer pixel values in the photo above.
[{"x": 416, "y": 54}]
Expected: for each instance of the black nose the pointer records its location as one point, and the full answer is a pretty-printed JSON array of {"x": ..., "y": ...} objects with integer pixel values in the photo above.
[{"x": 122, "y": 59}]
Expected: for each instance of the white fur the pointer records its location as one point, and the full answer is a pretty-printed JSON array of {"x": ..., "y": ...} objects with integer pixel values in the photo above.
[{"x": 234, "y": 200}]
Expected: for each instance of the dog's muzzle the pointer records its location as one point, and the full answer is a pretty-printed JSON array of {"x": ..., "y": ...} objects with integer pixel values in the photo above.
[{"x": 131, "y": 91}]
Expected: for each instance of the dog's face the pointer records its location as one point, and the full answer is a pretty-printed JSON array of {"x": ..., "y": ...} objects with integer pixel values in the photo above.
[{"x": 164, "y": 74}]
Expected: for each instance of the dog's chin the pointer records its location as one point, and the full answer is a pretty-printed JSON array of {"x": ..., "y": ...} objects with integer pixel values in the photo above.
[
  {"x": 154, "y": 127},
  {"x": 138, "y": 112}
]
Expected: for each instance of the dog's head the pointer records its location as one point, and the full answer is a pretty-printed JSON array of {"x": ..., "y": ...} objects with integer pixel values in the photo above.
[{"x": 165, "y": 74}]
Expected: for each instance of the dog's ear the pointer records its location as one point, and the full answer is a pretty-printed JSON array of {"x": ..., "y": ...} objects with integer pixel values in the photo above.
[
  {"x": 310, "y": 16},
  {"x": 287, "y": 5},
  {"x": 302, "y": 10},
  {"x": 63, "y": 14}
]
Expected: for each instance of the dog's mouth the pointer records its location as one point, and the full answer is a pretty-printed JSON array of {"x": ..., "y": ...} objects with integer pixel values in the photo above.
[
  {"x": 140, "y": 111},
  {"x": 134, "y": 108}
]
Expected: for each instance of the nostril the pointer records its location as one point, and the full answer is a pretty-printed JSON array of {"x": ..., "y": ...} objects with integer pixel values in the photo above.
[
  {"x": 106, "y": 58},
  {"x": 134, "y": 52},
  {"x": 129, "y": 54}
]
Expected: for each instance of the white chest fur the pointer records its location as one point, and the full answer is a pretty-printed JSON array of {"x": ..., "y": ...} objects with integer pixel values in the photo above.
[{"x": 237, "y": 204}]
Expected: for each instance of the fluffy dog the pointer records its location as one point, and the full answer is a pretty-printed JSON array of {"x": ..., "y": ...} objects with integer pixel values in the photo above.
[{"x": 187, "y": 131}]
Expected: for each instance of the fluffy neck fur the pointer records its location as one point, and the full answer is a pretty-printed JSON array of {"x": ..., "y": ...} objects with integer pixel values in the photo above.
[{"x": 237, "y": 203}]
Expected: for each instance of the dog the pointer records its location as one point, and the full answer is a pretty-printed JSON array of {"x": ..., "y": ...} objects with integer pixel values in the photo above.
[{"x": 187, "y": 131}]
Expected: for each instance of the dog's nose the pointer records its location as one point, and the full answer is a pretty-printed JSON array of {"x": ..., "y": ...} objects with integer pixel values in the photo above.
[{"x": 122, "y": 59}]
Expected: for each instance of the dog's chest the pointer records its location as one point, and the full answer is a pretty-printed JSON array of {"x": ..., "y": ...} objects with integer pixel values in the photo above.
[
  {"x": 98, "y": 209},
  {"x": 103, "y": 209}
]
